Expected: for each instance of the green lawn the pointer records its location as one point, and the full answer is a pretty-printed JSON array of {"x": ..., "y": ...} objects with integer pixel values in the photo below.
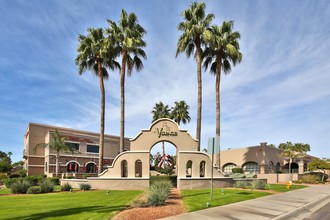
[
  {"x": 282, "y": 187},
  {"x": 197, "y": 199},
  {"x": 67, "y": 205}
]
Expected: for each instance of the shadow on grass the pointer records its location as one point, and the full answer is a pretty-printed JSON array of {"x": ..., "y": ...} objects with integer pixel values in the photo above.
[{"x": 71, "y": 211}]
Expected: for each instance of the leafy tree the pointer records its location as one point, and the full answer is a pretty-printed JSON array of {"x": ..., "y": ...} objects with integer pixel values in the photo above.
[
  {"x": 193, "y": 27},
  {"x": 128, "y": 39},
  {"x": 57, "y": 144},
  {"x": 180, "y": 112},
  {"x": 318, "y": 164},
  {"x": 5, "y": 162},
  {"x": 95, "y": 53},
  {"x": 222, "y": 52},
  {"x": 292, "y": 151}
]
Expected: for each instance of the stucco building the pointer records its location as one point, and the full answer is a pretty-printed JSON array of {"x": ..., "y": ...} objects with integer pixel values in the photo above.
[
  {"x": 261, "y": 159},
  {"x": 42, "y": 160}
]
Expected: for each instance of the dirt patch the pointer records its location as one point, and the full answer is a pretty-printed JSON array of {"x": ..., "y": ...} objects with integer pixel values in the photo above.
[{"x": 174, "y": 206}]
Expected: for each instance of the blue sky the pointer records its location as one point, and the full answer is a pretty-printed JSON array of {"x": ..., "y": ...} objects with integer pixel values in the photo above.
[{"x": 280, "y": 92}]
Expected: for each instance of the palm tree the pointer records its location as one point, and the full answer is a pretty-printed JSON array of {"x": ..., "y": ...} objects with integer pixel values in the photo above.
[
  {"x": 160, "y": 111},
  {"x": 222, "y": 52},
  {"x": 59, "y": 145},
  {"x": 128, "y": 38},
  {"x": 95, "y": 53},
  {"x": 190, "y": 42},
  {"x": 180, "y": 112}
]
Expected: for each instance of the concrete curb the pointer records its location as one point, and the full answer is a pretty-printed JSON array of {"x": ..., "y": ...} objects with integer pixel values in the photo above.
[{"x": 303, "y": 208}]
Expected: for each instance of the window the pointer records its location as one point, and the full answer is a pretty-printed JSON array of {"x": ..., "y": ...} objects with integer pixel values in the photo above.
[
  {"x": 73, "y": 145},
  {"x": 46, "y": 167},
  {"x": 278, "y": 167},
  {"x": 124, "y": 168},
  {"x": 91, "y": 168},
  {"x": 138, "y": 168},
  {"x": 251, "y": 167},
  {"x": 270, "y": 167},
  {"x": 189, "y": 168},
  {"x": 202, "y": 169},
  {"x": 227, "y": 168},
  {"x": 72, "y": 167},
  {"x": 92, "y": 148}
]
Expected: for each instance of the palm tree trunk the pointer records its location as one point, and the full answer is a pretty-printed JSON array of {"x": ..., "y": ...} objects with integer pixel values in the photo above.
[
  {"x": 217, "y": 106},
  {"x": 56, "y": 165},
  {"x": 100, "y": 168},
  {"x": 199, "y": 90},
  {"x": 122, "y": 101},
  {"x": 163, "y": 148}
]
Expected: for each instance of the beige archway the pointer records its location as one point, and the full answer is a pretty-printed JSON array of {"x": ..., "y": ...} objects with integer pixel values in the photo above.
[{"x": 161, "y": 130}]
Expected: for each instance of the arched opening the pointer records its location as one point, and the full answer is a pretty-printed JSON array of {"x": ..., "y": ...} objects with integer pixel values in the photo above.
[
  {"x": 228, "y": 168},
  {"x": 72, "y": 167},
  {"x": 270, "y": 167},
  {"x": 189, "y": 168},
  {"x": 250, "y": 167},
  {"x": 294, "y": 167},
  {"x": 91, "y": 167},
  {"x": 278, "y": 167},
  {"x": 202, "y": 169},
  {"x": 138, "y": 168},
  {"x": 124, "y": 168},
  {"x": 305, "y": 167},
  {"x": 163, "y": 159}
]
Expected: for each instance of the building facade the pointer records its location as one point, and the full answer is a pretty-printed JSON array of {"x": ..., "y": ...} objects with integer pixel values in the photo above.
[
  {"x": 42, "y": 160},
  {"x": 261, "y": 159}
]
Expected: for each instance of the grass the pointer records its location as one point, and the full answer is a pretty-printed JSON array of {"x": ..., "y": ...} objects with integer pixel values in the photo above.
[
  {"x": 5, "y": 191},
  {"x": 96, "y": 204},
  {"x": 282, "y": 187},
  {"x": 197, "y": 199}
]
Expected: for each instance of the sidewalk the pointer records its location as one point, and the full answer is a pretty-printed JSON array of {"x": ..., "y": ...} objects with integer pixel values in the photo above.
[{"x": 279, "y": 206}]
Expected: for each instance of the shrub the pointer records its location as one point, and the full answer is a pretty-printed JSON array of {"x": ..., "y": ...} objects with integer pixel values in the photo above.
[
  {"x": 8, "y": 182},
  {"x": 14, "y": 175},
  {"x": 319, "y": 174},
  {"x": 171, "y": 178},
  {"x": 237, "y": 176},
  {"x": 34, "y": 190},
  {"x": 258, "y": 184},
  {"x": 20, "y": 186},
  {"x": 313, "y": 179},
  {"x": 54, "y": 180},
  {"x": 251, "y": 175},
  {"x": 159, "y": 192},
  {"x": 139, "y": 203},
  {"x": 3, "y": 177},
  {"x": 237, "y": 170},
  {"x": 66, "y": 187},
  {"x": 240, "y": 184},
  {"x": 33, "y": 180},
  {"x": 85, "y": 186},
  {"x": 46, "y": 186}
]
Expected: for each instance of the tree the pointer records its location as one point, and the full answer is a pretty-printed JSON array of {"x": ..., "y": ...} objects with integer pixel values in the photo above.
[
  {"x": 128, "y": 39},
  {"x": 292, "y": 151},
  {"x": 222, "y": 52},
  {"x": 318, "y": 164},
  {"x": 180, "y": 112},
  {"x": 57, "y": 144},
  {"x": 193, "y": 27},
  {"x": 160, "y": 111},
  {"x": 5, "y": 162},
  {"x": 95, "y": 53}
]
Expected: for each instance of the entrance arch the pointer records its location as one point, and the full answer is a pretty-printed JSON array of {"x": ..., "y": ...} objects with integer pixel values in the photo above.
[{"x": 162, "y": 130}]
